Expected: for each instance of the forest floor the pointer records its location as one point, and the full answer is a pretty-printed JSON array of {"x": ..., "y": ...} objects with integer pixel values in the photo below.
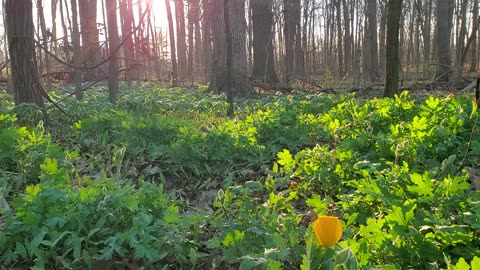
[{"x": 165, "y": 180}]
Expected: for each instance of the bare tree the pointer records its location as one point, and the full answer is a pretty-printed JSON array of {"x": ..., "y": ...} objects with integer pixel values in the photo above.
[
  {"x": 174, "y": 76},
  {"x": 443, "y": 40},
  {"x": 392, "y": 61},
  {"x": 114, "y": 41},
  {"x": 20, "y": 32},
  {"x": 77, "y": 52},
  {"x": 263, "y": 63},
  {"x": 45, "y": 38},
  {"x": 89, "y": 33}
]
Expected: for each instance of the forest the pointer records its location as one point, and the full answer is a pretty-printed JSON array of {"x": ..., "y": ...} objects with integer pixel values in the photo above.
[{"x": 239, "y": 134}]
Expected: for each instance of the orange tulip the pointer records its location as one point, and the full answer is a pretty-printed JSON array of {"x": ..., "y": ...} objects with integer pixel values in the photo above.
[{"x": 328, "y": 230}]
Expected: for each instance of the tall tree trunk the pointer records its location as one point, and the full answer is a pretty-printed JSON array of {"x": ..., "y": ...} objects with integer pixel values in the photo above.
[
  {"x": 66, "y": 46},
  {"x": 372, "y": 45},
  {"x": 382, "y": 39},
  {"x": 173, "y": 56},
  {"x": 473, "y": 55},
  {"x": 443, "y": 41},
  {"x": 45, "y": 38},
  {"x": 289, "y": 35},
  {"x": 219, "y": 69},
  {"x": 198, "y": 53},
  {"x": 299, "y": 52},
  {"x": 127, "y": 25},
  {"x": 114, "y": 41},
  {"x": 341, "y": 72},
  {"x": 21, "y": 46},
  {"x": 181, "y": 44},
  {"x": 263, "y": 62},
  {"x": 207, "y": 38},
  {"x": 347, "y": 38},
  {"x": 77, "y": 51},
  {"x": 54, "y": 26},
  {"x": 392, "y": 64},
  {"x": 240, "y": 82},
  {"x": 229, "y": 53},
  {"x": 90, "y": 42},
  {"x": 191, "y": 6}
]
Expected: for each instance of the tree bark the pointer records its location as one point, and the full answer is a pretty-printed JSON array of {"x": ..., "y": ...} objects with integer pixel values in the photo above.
[
  {"x": 90, "y": 42},
  {"x": 66, "y": 46},
  {"x": 207, "y": 39},
  {"x": 240, "y": 82},
  {"x": 20, "y": 32},
  {"x": 473, "y": 55},
  {"x": 181, "y": 44},
  {"x": 77, "y": 51},
  {"x": 341, "y": 69},
  {"x": 443, "y": 41},
  {"x": 126, "y": 14},
  {"x": 263, "y": 62},
  {"x": 174, "y": 75},
  {"x": 392, "y": 61},
  {"x": 113, "y": 41},
  {"x": 372, "y": 45},
  {"x": 219, "y": 68},
  {"x": 45, "y": 38}
]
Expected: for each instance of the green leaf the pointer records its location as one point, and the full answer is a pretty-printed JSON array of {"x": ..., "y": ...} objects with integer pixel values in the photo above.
[
  {"x": 461, "y": 265},
  {"x": 475, "y": 263},
  {"x": 286, "y": 160}
]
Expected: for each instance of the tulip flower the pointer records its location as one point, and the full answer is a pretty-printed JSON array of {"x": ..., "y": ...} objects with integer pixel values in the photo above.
[{"x": 328, "y": 230}]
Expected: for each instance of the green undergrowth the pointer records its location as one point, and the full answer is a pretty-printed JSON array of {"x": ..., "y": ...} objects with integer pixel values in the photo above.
[{"x": 164, "y": 180}]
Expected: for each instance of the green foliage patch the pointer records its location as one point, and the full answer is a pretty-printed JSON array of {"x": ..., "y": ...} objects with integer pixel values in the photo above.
[{"x": 131, "y": 185}]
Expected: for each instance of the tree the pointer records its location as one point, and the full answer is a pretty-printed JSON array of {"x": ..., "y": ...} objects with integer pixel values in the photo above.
[
  {"x": 443, "y": 40},
  {"x": 262, "y": 20},
  {"x": 20, "y": 32},
  {"x": 45, "y": 38},
  {"x": 114, "y": 41},
  {"x": 473, "y": 56},
  {"x": 126, "y": 15},
  {"x": 219, "y": 61},
  {"x": 77, "y": 52},
  {"x": 174, "y": 79},
  {"x": 240, "y": 83},
  {"x": 372, "y": 41},
  {"x": 392, "y": 60},
  {"x": 181, "y": 44},
  {"x": 89, "y": 32}
]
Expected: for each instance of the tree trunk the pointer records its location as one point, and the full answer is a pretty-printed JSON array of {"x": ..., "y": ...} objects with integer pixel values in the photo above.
[
  {"x": 473, "y": 55},
  {"x": 54, "y": 26},
  {"x": 207, "y": 38},
  {"x": 20, "y": 32},
  {"x": 77, "y": 51},
  {"x": 372, "y": 46},
  {"x": 181, "y": 44},
  {"x": 339, "y": 39},
  {"x": 90, "y": 42},
  {"x": 45, "y": 38},
  {"x": 263, "y": 63},
  {"x": 392, "y": 64},
  {"x": 66, "y": 46},
  {"x": 191, "y": 6},
  {"x": 219, "y": 68},
  {"x": 174, "y": 76},
  {"x": 382, "y": 39},
  {"x": 113, "y": 41},
  {"x": 240, "y": 82},
  {"x": 126, "y": 14},
  {"x": 299, "y": 52},
  {"x": 229, "y": 53},
  {"x": 443, "y": 41},
  {"x": 289, "y": 35}
]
